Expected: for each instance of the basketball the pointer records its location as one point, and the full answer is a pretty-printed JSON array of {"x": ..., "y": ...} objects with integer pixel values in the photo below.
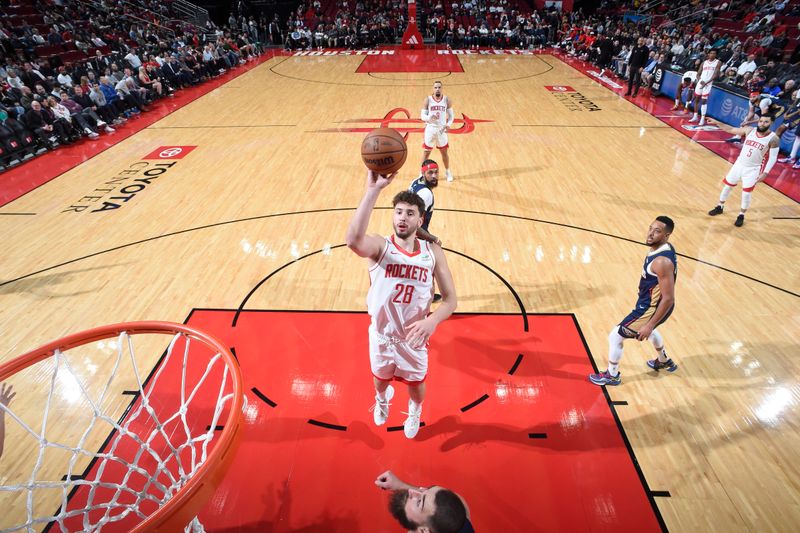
[{"x": 384, "y": 150}]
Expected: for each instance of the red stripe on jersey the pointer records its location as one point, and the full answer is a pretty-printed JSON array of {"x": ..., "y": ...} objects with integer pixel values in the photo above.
[
  {"x": 725, "y": 181},
  {"x": 404, "y": 252}
]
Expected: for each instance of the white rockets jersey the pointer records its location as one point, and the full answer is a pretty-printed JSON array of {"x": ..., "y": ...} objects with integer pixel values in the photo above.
[
  {"x": 755, "y": 148},
  {"x": 438, "y": 107},
  {"x": 707, "y": 70},
  {"x": 401, "y": 288}
]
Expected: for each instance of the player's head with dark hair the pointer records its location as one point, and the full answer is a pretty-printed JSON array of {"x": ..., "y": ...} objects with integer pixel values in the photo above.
[
  {"x": 430, "y": 171},
  {"x": 669, "y": 225},
  {"x": 433, "y": 510},
  {"x": 659, "y": 231},
  {"x": 409, "y": 213},
  {"x": 712, "y": 53},
  {"x": 764, "y": 123},
  {"x": 437, "y": 88}
]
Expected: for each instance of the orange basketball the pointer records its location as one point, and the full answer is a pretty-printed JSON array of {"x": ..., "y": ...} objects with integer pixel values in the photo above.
[{"x": 384, "y": 150}]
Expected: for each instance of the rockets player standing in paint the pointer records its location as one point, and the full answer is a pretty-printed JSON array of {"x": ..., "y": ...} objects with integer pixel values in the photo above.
[
  {"x": 402, "y": 269},
  {"x": 706, "y": 74},
  {"x": 438, "y": 115},
  {"x": 752, "y": 165}
]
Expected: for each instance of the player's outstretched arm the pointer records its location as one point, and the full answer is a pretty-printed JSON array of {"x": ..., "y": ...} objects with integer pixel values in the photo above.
[
  {"x": 665, "y": 272},
  {"x": 364, "y": 245},
  {"x": 426, "y": 235},
  {"x": 730, "y": 129},
  {"x": 419, "y": 332}
]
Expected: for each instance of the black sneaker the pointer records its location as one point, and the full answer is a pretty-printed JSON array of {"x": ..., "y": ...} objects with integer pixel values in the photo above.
[
  {"x": 657, "y": 365},
  {"x": 739, "y": 221},
  {"x": 716, "y": 211},
  {"x": 437, "y": 298}
]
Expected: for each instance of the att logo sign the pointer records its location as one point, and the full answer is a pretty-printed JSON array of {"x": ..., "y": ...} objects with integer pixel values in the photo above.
[{"x": 729, "y": 108}]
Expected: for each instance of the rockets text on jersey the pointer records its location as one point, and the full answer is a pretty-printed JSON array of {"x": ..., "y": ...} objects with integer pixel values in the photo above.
[
  {"x": 754, "y": 149},
  {"x": 708, "y": 70},
  {"x": 401, "y": 287},
  {"x": 439, "y": 107}
]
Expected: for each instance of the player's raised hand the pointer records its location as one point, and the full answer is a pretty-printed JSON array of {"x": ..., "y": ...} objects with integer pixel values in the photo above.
[
  {"x": 6, "y": 394},
  {"x": 379, "y": 181},
  {"x": 420, "y": 332},
  {"x": 388, "y": 481}
]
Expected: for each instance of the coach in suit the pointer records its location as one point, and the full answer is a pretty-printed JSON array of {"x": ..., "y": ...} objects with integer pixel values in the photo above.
[{"x": 639, "y": 57}]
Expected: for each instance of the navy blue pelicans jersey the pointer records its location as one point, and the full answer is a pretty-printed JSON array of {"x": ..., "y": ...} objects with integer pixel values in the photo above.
[
  {"x": 649, "y": 292},
  {"x": 416, "y": 186}
]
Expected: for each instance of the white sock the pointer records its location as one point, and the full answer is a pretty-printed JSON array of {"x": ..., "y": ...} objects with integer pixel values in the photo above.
[
  {"x": 614, "y": 351},
  {"x": 414, "y": 407},
  {"x": 703, "y": 110},
  {"x": 382, "y": 395},
  {"x": 726, "y": 191},
  {"x": 658, "y": 344},
  {"x": 795, "y": 146},
  {"x": 746, "y": 198}
]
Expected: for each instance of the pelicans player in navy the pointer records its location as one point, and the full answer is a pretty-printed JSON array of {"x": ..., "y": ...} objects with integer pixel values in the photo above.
[
  {"x": 654, "y": 306},
  {"x": 423, "y": 187},
  {"x": 402, "y": 269},
  {"x": 438, "y": 115},
  {"x": 752, "y": 166}
]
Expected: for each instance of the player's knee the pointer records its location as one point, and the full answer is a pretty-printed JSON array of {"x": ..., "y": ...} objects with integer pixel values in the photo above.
[{"x": 614, "y": 337}]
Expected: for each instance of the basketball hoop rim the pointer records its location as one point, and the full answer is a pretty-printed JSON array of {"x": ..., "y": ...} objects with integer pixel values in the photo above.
[{"x": 179, "y": 510}]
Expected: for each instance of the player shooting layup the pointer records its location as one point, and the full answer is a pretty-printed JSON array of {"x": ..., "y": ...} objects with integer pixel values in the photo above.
[
  {"x": 437, "y": 114},
  {"x": 401, "y": 270}
]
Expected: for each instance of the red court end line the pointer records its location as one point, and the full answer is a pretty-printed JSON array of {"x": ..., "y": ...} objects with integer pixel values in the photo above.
[
  {"x": 784, "y": 179},
  {"x": 34, "y": 173}
]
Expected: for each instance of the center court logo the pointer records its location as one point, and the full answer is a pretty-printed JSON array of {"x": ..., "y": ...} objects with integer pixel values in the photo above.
[{"x": 400, "y": 120}]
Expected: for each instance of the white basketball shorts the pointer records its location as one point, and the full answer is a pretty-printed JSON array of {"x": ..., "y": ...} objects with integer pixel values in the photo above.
[
  {"x": 434, "y": 136},
  {"x": 392, "y": 358},
  {"x": 703, "y": 92},
  {"x": 746, "y": 174}
]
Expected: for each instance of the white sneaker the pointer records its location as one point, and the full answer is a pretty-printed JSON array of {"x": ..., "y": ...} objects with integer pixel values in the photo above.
[
  {"x": 380, "y": 411},
  {"x": 92, "y": 135},
  {"x": 109, "y": 129},
  {"x": 702, "y": 122},
  {"x": 449, "y": 175},
  {"x": 100, "y": 124},
  {"x": 693, "y": 119},
  {"x": 411, "y": 425}
]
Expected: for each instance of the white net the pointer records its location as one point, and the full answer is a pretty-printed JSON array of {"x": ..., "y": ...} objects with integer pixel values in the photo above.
[{"x": 150, "y": 453}]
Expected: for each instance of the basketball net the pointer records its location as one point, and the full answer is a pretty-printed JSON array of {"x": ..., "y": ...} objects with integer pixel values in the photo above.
[{"x": 150, "y": 457}]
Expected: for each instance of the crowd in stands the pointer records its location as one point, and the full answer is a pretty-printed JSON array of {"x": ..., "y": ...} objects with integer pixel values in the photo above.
[
  {"x": 345, "y": 24},
  {"x": 756, "y": 42},
  {"x": 74, "y": 69}
]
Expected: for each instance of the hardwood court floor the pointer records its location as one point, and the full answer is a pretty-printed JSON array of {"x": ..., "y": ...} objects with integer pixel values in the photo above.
[{"x": 554, "y": 200}]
